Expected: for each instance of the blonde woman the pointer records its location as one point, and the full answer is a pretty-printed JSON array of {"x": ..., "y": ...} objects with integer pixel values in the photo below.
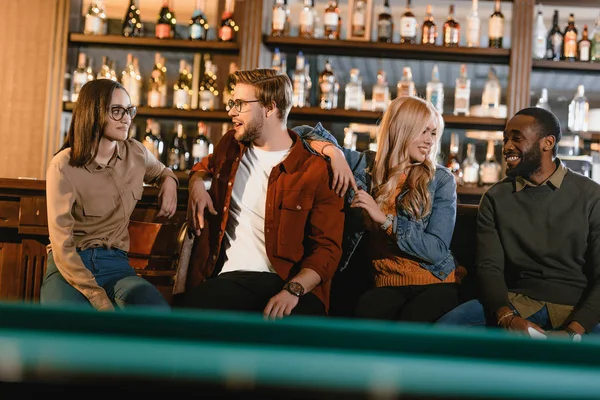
[{"x": 404, "y": 206}]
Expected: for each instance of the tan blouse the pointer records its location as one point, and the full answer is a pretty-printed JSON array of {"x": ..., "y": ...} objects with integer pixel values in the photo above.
[{"x": 91, "y": 206}]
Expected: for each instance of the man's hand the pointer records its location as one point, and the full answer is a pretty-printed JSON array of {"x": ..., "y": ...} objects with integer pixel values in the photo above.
[
  {"x": 365, "y": 201},
  {"x": 167, "y": 198},
  {"x": 199, "y": 200},
  {"x": 280, "y": 305},
  {"x": 343, "y": 178},
  {"x": 518, "y": 324}
]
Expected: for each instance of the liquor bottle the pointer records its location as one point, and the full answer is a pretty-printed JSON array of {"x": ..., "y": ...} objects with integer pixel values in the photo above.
[
  {"x": 596, "y": 41},
  {"x": 95, "y": 19},
  {"x": 570, "y": 40},
  {"x": 489, "y": 171},
  {"x": 276, "y": 60},
  {"x": 198, "y": 26},
  {"x": 229, "y": 28},
  {"x": 307, "y": 85},
  {"x": 406, "y": 86},
  {"x": 470, "y": 167},
  {"x": 408, "y": 25},
  {"x": 159, "y": 143},
  {"x": 229, "y": 88},
  {"x": 359, "y": 19},
  {"x": 385, "y": 24},
  {"x": 453, "y": 163},
  {"x": 299, "y": 82},
  {"x": 584, "y": 46},
  {"x": 473, "y": 25},
  {"x": 354, "y": 91},
  {"x": 543, "y": 100},
  {"x": 132, "y": 22},
  {"x": 307, "y": 20},
  {"x": 202, "y": 146},
  {"x": 429, "y": 30},
  {"x": 492, "y": 92},
  {"x": 104, "y": 72},
  {"x": 131, "y": 81},
  {"x": 539, "y": 37},
  {"x": 164, "y": 23},
  {"x": 328, "y": 88},
  {"x": 332, "y": 20},
  {"x": 496, "y": 27},
  {"x": 279, "y": 19},
  {"x": 80, "y": 77},
  {"x": 89, "y": 70},
  {"x": 111, "y": 71},
  {"x": 381, "y": 93},
  {"x": 179, "y": 154},
  {"x": 208, "y": 91},
  {"x": 149, "y": 140},
  {"x": 554, "y": 49},
  {"x": 182, "y": 89},
  {"x": 578, "y": 111},
  {"x": 435, "y": 90},
  {"x": 157, "y": 84},
  {"x": 462, "y": 93},
  {"x": 451, "y": 30}
]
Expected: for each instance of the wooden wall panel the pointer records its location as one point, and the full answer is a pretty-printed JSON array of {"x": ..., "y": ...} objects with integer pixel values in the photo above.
[
  {"x": 31, "y": 82},
  {"x": 10, "y": 271}
]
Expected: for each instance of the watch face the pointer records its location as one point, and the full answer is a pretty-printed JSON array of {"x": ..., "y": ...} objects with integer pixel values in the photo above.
[{"x": 295, "y": 288}]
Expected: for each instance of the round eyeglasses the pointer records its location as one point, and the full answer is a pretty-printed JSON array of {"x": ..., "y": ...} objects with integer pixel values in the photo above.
[
  {"x": 117, "y": 113},
  {"x": 238, "y": 104}
]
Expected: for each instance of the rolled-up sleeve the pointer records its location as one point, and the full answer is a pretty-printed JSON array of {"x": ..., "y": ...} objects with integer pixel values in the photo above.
[{"x": 156, "y": 172}]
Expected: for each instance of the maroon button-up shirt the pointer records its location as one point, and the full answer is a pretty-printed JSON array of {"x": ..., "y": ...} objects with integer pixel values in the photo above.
[{"x": 304, "y": 218}]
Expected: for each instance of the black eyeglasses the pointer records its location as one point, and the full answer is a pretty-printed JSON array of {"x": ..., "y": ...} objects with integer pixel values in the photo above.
[
  {"x": 238, "y": 104},
  {"x": 117, "y": 113}
]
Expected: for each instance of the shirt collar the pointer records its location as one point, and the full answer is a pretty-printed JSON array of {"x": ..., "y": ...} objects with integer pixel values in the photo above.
[
  {"x": 554, "y": 180},
  {"x": 93, "y": 165}
]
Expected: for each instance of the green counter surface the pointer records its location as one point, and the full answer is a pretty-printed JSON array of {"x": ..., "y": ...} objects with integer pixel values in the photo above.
[{"x": 320, "y": 356}]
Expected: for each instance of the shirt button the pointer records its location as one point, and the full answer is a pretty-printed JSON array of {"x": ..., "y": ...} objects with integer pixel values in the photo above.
[
  {"x": 220, "y": 233},
  {"x": 298, "y": 207},
  {"x": 224, "y": 209},
  {"x": 214, "y": 257},
  {"x": 229, "y": 183},
  {"x": 218, "y": 175},
  {"x": 237, "y": 159},
  {"x": 268, "y": 230}
]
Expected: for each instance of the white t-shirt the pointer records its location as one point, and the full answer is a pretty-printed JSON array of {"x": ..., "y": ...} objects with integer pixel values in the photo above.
[{"x": 245, "y": 231}]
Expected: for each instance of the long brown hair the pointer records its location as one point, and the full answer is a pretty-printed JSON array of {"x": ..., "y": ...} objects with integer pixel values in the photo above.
[
  {"x": 403, "y": 121},
  {"x": 89, "y": 120},
  {"x": 270, "y": 87}
]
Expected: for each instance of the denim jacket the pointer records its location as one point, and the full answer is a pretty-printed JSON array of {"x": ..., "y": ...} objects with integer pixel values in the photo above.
[{"x": 427, "y": 239}]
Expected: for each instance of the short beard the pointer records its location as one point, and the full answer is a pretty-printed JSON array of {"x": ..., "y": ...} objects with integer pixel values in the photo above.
[
  {"x": 252, "y": 132},
  {"x": 531, "y": 162}
]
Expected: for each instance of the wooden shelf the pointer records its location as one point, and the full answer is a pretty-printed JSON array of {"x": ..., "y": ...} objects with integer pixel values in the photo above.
[
  {"x": 578, "y": 66},
  {"x": 387, "y": 50},
  {"x": 174, "y": 113},
  {"x": 151, "y": 43},
  {"x": 316, "y": 114}
]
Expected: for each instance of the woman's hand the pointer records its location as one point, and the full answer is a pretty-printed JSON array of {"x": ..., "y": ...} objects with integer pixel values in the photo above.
[
  {"x": 343, "y": 178},
  {"x": 367, "y": 203},
  {"x": 167, "y": 198}
]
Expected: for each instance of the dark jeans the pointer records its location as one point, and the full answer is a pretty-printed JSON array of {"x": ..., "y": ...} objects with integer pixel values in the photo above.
[
  {"x": 246, "y": 291},
  {"x": 415, "y": 303},
  {"x": 113, "y": 273}
]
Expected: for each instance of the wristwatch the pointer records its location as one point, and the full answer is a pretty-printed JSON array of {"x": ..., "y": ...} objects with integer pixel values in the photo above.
[
  {"x": 294, "y": 288},
  {"x": 389, "y": 220}
]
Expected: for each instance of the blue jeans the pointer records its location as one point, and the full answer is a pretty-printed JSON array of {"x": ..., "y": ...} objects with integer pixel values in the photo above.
[
  {"x": 113, "y": 273},
  {"x": 471, "y": 313}
]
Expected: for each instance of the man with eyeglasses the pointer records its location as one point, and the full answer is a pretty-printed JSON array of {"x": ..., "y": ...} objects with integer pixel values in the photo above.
[{"x": 271, "y": 239}]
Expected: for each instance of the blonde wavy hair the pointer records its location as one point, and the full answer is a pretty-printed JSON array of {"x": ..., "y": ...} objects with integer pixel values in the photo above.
[{"x": 405, "y": 119}]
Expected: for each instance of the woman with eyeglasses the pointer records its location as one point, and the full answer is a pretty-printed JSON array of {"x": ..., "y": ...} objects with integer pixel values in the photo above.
[{"x": 92, "y": 186}]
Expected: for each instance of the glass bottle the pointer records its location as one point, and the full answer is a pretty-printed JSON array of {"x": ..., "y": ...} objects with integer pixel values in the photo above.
[
  {"x": 279, "y": 19},
  {"x": 554, "y": 49},
  {"x": 202, "y": 146},
  {"x": 489, "y": 171},
  {"x": 299, "y": 82},
  {"x": 132, "y": 22},
  {"x": 354, "y": 91},
  {"x": 165, "y": 22},
  {"x": 157, "y": 85},
  {"x": 453, "y": 163},
  {"x": 473, "y": 25},
  {"x": 408, "y": 25},
  {"x": 179, "y": 153},
  {"x": 208, "y": 91},
  {"x": 381, "y": 93},
  {"x": 307, "y": 20},
  {"x": 451, "y": 30},
  {"x": 229, "y": 89},
  {"x": 596, "y": 41},
  {"x": 470, "y": 167},
  {"x": 435, "y": 90},
  {"x": 149, "y": 140},
  {"x": 406, "y": 86},
  {"x": 198, "y": 26},
  {"x": 131, "y": 81},
  {"x": 579, "y": 111},
  {"x": 429, "y": 30},
  {"x": 570, "y": 40},
  {"x": 462, "y": 93},
  {"x": 276, "y": 60},
  {"x": 492, "y": 92},
  {"x": 182, "y": 89},
  {"x": 104, "y": 72},
  {"x": 496, "y": 27},
  {"x": 359, "y": 19},
  {"x": 385, "y": 24},
  {"x": 543, "y": 100},
  {"x": 95, "y": 19},
  {"x": 584, "y": 46},
  {"x": 539, "y": 37},
  {"x": 229, "y": 28},
  {"x": 307, "y": 85},
  {"x": 80, "y": 77},
  {"x": 332, "y": 20},
  {"x": 328, "y": 87}
]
